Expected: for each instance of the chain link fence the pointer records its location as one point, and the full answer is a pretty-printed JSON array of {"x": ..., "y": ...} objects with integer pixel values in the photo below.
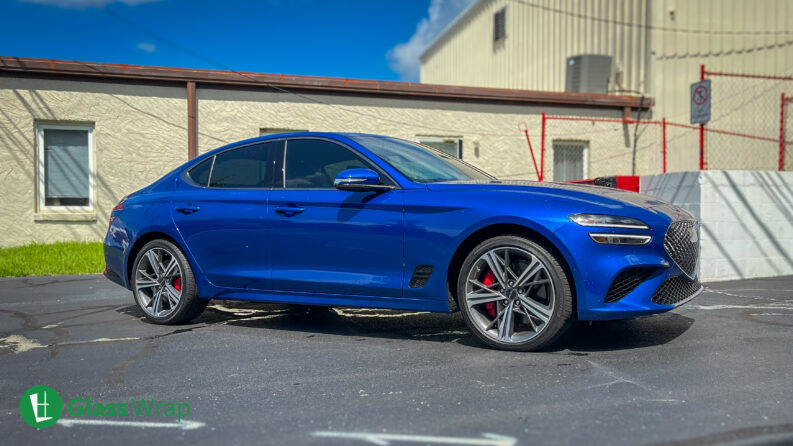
[
  {"x": 751, "y": 128},
  {"x": 598, "y": 147},
  {"x": 748, "y": 104}
]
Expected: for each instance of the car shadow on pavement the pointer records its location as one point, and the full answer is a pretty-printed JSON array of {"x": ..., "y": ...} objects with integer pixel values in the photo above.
[
  {"x": 624, "y": 334},
  {"x": 361, "y": 324}
]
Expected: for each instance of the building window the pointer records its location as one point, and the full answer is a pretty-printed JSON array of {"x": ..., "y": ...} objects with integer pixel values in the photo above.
[
  {"x": 450, "y": 146},
  {"x": 500, "y": 25},
  {"x": 275, "y": 130},
  {"x": 570, "y": 160},
  {"x": 65, "y": 167}
]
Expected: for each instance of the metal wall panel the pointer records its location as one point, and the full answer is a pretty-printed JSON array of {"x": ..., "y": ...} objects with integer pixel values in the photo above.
[
  {"x": 533, "y": 55},
  {"x": 660, "y": 60}
]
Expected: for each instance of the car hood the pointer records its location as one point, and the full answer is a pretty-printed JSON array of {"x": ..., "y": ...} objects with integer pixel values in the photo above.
[{"x": 598, "y": 195}]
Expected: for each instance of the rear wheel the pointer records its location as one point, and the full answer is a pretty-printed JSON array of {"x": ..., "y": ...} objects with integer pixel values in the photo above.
[
  {"x": 163, "y": 284},
  {"x": 514, "y": 294}
]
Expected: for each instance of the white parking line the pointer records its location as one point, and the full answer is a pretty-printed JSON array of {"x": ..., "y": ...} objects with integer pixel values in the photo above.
[
  {"x": 386, "y": 439},
  {"x": 185, "y": 425},
  {"x": 773, "y": 306}
]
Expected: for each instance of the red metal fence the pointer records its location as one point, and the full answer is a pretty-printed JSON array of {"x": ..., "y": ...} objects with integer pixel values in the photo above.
[{"x": 751, "y": 128}]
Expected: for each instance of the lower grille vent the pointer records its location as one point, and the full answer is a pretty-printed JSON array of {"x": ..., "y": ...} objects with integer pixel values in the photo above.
[
  {"x": 626, "y": 282},
  {"x": 675, "y": 290}
]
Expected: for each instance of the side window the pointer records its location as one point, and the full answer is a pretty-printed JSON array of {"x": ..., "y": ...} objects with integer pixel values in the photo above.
[
  {"x": 200, "y": 173},
  {"x": 314, "y": 163},
  {"x": 249, "y": 167}
]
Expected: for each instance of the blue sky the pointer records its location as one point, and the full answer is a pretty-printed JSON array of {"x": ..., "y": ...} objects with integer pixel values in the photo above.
[{"x": 375, "y": 39}]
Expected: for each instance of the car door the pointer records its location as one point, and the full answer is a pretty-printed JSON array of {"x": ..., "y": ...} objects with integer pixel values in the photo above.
[
  {"x": 223, "y": 221},
  {"x": 324, "y": 240}
]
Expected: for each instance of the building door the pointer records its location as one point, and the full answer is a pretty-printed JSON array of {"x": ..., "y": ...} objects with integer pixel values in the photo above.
[{"x": 570, "y": 160}]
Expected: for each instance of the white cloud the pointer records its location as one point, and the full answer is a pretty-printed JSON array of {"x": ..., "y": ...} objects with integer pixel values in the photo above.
[
  {"x": 147, "y": 47},
  {"x": 82, "y": 4},
  {"x": 403, "y": 59}
]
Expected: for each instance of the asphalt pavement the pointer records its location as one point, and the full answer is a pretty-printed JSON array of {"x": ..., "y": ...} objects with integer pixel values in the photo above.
[{"x": 718, "y": 370}]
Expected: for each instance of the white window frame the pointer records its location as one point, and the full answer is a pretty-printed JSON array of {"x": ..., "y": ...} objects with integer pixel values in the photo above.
[
  {"x": 42, "y": 206},
  {"x": 437, "y": 139},
  {"x": 584, "y": 156}
]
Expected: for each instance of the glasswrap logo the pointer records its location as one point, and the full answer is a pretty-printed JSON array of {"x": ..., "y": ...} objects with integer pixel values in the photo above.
[{"x": 40, "y": 406}]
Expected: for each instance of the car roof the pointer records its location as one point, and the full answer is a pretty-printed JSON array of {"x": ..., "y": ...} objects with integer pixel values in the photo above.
[{"x": 334, "y": 135}]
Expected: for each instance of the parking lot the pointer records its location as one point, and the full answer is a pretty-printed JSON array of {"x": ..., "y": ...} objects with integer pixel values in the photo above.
[{"x": 717, "y": 370}]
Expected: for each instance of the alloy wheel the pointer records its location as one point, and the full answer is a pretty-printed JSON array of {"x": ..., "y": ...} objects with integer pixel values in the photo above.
[
  {"x": 510, "y": 295},
  {"x": 158, "y": 282}
]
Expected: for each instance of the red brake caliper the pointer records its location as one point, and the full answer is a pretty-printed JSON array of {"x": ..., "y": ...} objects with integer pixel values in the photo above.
[
  {"x": 177, "y": 284},
  {"x": 490, "y": 279}
]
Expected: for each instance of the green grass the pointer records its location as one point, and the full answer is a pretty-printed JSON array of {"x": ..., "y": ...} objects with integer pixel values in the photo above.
[{"x": 52, "y": 259}]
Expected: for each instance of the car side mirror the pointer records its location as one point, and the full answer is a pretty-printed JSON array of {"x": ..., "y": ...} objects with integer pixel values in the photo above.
[{"x": 358, "y": 180}]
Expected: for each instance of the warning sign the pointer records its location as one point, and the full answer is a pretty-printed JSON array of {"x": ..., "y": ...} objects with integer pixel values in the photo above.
[{"x": 700, "y": 102}]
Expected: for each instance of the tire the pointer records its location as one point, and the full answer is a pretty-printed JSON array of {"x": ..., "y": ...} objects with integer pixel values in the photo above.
[
  {"x": 148, "y": 280},
  {"x": 541, "y": 304}
]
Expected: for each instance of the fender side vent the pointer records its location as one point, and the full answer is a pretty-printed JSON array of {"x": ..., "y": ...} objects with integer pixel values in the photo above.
[
  {"x": 626, "y": 282},
  {"x": 421, "y": 275}
]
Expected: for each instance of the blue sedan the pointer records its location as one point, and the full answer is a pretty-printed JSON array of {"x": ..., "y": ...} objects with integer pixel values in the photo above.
[{"x": 359, "y": 220}]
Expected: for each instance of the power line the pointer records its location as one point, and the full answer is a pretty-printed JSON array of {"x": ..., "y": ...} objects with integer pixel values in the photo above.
[
  {"x": 225, "y": 67},
  {"x": 652, "y": 27}
]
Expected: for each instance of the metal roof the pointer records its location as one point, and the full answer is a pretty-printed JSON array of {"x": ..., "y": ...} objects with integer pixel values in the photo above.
[{"x": 20, "y": 66}]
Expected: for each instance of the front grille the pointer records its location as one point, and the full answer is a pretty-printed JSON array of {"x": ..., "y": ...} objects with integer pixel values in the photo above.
[
  {"x": 682, "y": 244},
  {"x": 675, "y": 290},
  {"x": 626, "y": 282}
]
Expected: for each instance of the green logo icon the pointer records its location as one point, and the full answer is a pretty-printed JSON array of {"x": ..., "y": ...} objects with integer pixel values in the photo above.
[{"x": 40, "y": 406}]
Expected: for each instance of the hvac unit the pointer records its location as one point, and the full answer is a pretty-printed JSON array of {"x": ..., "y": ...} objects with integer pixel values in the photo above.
[{"x": 589, "y": 73}]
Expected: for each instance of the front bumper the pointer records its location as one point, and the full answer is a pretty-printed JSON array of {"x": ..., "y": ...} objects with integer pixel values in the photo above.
[{"x": 663, "y": 284}]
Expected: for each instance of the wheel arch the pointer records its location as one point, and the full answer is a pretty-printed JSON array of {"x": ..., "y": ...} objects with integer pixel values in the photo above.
[
  {"x": 500, "y": 229},
  {"x": 140, "y": 243}
]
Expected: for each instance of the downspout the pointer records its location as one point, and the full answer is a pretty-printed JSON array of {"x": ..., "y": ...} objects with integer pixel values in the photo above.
[{"x": 192, "y": 121}]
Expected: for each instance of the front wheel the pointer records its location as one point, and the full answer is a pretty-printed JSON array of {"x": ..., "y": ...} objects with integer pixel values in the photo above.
[
  {"x": 163, "y": 284},
  {"x": 514, "y": 294}
]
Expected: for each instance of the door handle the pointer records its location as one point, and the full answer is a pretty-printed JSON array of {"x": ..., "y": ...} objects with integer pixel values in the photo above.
[
  {"x": 187, "y": 209},
  {"x": 288, "y": 211}
]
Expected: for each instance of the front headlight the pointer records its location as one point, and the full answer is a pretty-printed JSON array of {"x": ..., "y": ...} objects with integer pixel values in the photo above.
[{"x": 608, "y": 221}]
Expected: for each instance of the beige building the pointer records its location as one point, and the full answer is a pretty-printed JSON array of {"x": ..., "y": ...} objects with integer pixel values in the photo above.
[
  {"x": 657, "y": 48},
  {"x": 75, "y": 137}
]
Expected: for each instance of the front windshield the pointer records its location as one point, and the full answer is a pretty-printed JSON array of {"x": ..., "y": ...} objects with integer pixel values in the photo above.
[{"x": 418, "y": 163}]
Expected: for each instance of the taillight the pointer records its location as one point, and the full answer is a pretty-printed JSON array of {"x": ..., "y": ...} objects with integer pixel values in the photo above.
[{"x": 117, "y": 208}]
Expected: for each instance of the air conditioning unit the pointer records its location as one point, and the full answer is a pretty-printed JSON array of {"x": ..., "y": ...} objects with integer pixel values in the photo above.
[{"x": 589, "y": 73}]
